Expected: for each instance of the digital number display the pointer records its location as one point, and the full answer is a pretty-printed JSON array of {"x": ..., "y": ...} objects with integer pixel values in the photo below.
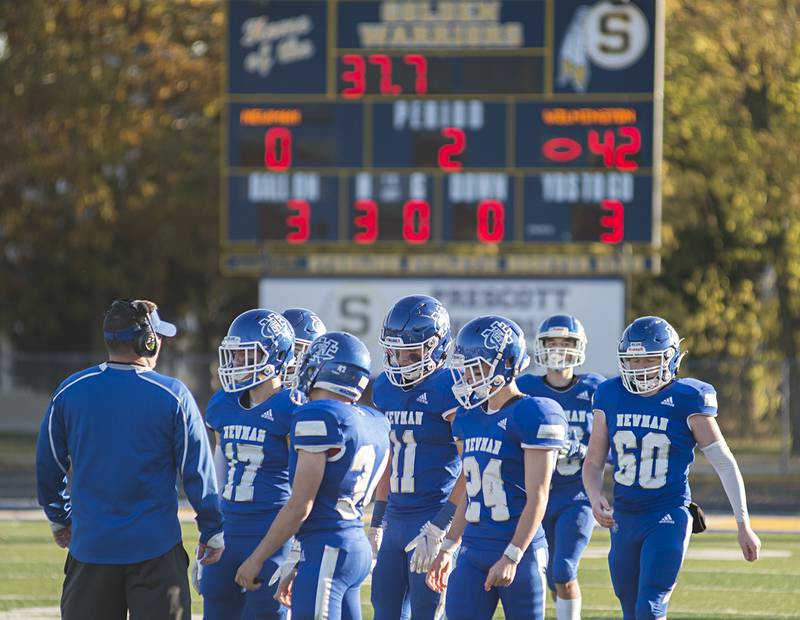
[{"x": 392, "y": 127}]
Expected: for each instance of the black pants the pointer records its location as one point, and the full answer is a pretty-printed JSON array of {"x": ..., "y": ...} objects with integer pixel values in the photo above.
[{"x": 156, "y": 589}]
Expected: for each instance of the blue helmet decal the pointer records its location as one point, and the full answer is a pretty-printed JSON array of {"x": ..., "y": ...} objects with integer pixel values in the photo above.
[
  {"x": 337, "y": 362},
  {"x": 415, "y": 339},
  {"x": 560, "y": 356},
  {"x": 489, "y": 353},
  {"x": 648, "y": 337},
  {"x": 258, "y": 346}
]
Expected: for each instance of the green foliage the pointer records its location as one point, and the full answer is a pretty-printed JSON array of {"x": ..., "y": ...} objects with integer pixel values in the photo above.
[{"x": 109, "y": 163}]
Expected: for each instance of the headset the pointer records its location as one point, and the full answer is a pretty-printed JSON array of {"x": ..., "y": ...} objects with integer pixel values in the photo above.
[{"x": 142, "y": 334}]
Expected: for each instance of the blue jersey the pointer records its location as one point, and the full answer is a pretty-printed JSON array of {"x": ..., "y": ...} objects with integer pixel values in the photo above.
[
  {"x": 359, "y": 436},
  {"x": 652, "y": 446},
  {"x": 576, "y": 400},
  {"x": 123, "y": 431},
  {"x": 425, "y": 462},
  {"x": 494, "y": 466},
  {"x": 254, "y": 442}
]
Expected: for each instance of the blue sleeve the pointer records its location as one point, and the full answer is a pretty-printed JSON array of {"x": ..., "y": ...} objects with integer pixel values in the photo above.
[
  {"x": 702, "y": 399},
  {"x": 378, "y": 393},
  {"x": 539, "y": 423},
  {"x": 52, "y": 464},
  {"x": 447, "y": 400},
  {"x": 283, "y": 414},
  {"x": 315, "y": 429},
  {"x": 457, "y": 426},
  {"x": 196, "y": 466},
  {"x": 598, "y": 398}
]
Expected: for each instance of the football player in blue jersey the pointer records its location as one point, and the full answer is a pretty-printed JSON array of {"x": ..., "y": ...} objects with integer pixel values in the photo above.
[
  {"x": 560, "y": 347},
  {"x": 340, "y": 450},
  {"x": 510, "y": 445},
  {"x": 307, "y": 328},
  {"x": 652, "y": 420},
  {"x": 415, "y": 393},
  {"x": 250, "y": 417}
]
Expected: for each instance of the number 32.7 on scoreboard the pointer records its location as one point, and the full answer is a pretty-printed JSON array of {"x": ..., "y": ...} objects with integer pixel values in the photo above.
[{"x": 418, "y": 124}]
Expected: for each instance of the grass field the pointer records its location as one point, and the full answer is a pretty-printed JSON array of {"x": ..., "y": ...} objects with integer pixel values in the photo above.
[{"x": 715, "y": 583}]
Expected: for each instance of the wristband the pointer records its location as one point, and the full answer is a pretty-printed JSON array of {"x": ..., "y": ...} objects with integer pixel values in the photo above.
[
  {"x": 449, "y": 546},
  {"x": 217, "y": 541},
  {"x": 444, "y": 517},
  {"x": 513, "y": 553},
  {"x": 378, "y": 510}
]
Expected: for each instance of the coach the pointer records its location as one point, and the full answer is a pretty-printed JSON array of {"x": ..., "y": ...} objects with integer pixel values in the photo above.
[{"x": 126, "y": 433}]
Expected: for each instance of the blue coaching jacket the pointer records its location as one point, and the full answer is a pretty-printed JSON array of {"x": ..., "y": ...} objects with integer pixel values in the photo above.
[{"x": 127, "y": 433}]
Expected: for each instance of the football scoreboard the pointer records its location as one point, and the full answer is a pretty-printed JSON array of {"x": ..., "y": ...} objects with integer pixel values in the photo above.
[{"x": 403, "y": 137}]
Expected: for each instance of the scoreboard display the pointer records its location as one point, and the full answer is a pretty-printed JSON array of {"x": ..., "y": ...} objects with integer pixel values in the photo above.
[{"x": 406, "y": 136}]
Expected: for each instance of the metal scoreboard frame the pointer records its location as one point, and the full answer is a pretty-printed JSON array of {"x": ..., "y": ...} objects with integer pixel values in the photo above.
[{"x": 408, "y": 137}]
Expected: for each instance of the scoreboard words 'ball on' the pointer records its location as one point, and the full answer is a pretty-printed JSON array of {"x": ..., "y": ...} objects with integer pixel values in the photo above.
[{"x": 396, "y": 127}]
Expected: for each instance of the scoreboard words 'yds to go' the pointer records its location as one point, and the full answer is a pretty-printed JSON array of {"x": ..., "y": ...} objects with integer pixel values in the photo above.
[{"x": 435, "y": 137}]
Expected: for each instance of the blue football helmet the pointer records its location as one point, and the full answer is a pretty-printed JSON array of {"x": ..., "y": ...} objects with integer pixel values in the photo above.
[
  {"x": 648, "y": 336},
  {"x": 259, "y": 345},
  {"x": 307, "y": 328},
  {"x": 415, "y": 339},
  {"x": 558, "y": 358},
  {"x": 490, "y": 352},
  {"x": 337, "y": 362}
]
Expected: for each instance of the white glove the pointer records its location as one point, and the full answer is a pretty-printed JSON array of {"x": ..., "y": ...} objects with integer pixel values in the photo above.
[
  {"x": 287, "y": 567},
  {"x": 426, "y": 547},
  {"x": 375, "y": 537},
  {"x": 197, "y": 572}
]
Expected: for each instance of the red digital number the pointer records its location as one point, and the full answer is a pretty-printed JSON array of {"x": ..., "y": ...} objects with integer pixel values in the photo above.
[
  {"x": 420, "y": 64},
  {"x": 368, "y": 222},
  {"x": 615, "y": 221},
  {"x": 449, "y": 150},
  {"x": 355, "y": 77},
  {"x": 561, "y": 149},
  {"x": 631, "y": 148},
  {"x": 604, "y": 146},
  {"x": 613, "y": 154},
  {"x": 384, "y": 64},
  {"x": 277, "y": 148},
  {"x": 300, "y": 221},
  {"x": 416, "y": 222},
  {"x": 491, "y": 221}
]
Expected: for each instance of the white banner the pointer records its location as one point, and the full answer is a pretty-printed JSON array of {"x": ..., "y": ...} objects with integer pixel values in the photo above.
[{"x": 358, "y": 305}]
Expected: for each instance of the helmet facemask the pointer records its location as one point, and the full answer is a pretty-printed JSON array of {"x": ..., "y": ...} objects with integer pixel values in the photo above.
[
  {"x": 243, "y": 365},
  {"x": 289, "y": 375},
  {"x": 646, "y": 379},
  {"x": 559, "y": 357},
  {"x": 474, "y": 380},
  {"x": 408, "y": 364}
]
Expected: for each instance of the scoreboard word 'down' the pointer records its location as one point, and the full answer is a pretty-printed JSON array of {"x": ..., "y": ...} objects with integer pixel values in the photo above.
[{"x": 406, "y": 130}]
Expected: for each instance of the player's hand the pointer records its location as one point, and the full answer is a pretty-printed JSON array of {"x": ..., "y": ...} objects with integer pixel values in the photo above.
[
  {"x": 375, "y": 537},
  {"x": 603, "y": 513},
  {"x": 749, "y": 542},
  {"x": 247, "y": 574},
  {"x": 284, "y": 592},
  {"x": 501, "y": 574},
  {"x": 208, "y": 555},
  {"x": 426, "y": 546},
  {"x": 288, "y": 566},
  {"x": 439, "y": 572},
  {"x": 61, "y": 534},
  {"x": 196, "y": 570}
]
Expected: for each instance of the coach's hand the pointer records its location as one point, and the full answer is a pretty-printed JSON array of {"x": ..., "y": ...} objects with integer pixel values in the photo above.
[
  {"x": 62, "y": 534},
  {"x": 749, "y": 542},
  {"x": 248, "y": 573},
  {"x": 602, "y": 512},
  {"x": 501, "y": 574},
  {"x": 208, "y": 555}
]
